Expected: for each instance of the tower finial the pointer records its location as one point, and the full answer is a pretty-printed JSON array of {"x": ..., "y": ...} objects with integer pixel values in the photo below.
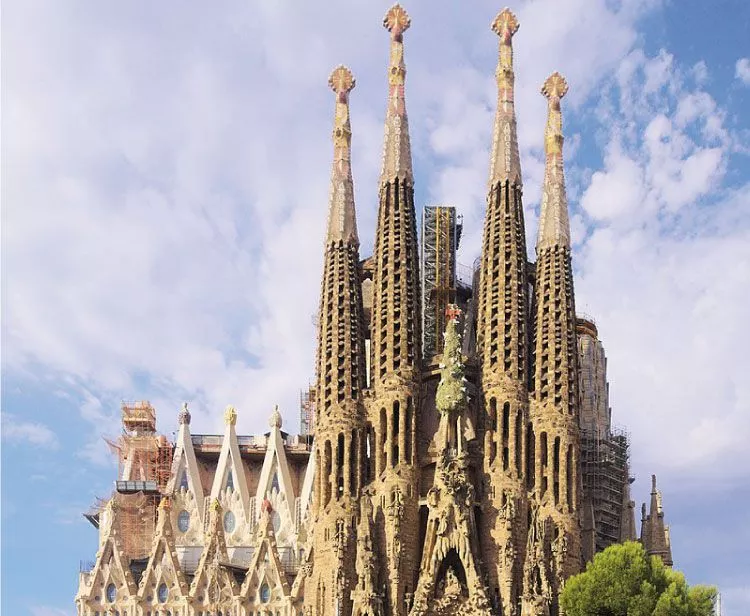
[
  {"x": 342, "y": 220},
  {"x": 396, "y": 146},
  {"x": 505, "y": 163},
  {"x": 554, "y": 225},
  {"x": 396, "y": 21}
]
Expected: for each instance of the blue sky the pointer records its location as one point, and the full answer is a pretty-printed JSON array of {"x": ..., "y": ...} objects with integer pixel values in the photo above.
[{"x": 165, "y": 178}]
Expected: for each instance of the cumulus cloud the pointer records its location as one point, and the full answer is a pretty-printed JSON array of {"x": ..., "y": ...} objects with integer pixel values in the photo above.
[
  {"x": 32, "y": 433},
  {"x": 742, "y": 70}
]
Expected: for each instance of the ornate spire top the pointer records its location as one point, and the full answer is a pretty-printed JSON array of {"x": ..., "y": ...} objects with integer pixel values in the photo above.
[
  {"x": 275, "y": 420},
  {"x": 554, "y": 226},
  {"x": 342, "y": 220},
  {"x": 396, "y": 146},
  {"x": 184, "y": 417},
  {"x": 230, "y": 415},
  {"x": 396, "y": 21},
  {"x": 165, "y": 504},
  {"x": 505, "y": 163}
]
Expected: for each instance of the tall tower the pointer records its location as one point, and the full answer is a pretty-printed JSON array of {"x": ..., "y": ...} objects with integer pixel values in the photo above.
[
  {"x": 339, "y": 418},
  {"x": 395, "y": 342},
  {"x": 554, "y": 537},
  {"x": 502, "y": 342}
]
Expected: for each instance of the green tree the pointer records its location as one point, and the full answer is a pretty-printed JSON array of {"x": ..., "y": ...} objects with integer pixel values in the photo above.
[{"x": 624, "y": 581}]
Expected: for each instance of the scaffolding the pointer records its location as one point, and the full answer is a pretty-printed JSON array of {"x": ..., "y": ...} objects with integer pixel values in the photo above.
[
  {"x": 605, "y": 474},
  {"x": 441, "y": 232},
  {"x": 307, "y": 411},
  {"x": 144, "y": 468}
]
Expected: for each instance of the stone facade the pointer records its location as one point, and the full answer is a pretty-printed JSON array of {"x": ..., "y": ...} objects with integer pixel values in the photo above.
[{"x": 430, "y": 489}]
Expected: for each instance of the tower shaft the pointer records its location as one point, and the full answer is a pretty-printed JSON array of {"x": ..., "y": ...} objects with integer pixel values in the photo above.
[
  {"x": 339, "y": 429},
  {"x": 396, "y": 342},
  {"x": 554, "y": 443},
  {"x": 502, "y": 341}
]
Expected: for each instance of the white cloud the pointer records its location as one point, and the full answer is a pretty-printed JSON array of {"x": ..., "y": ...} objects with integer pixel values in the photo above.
[
  {"x": 27, "y": 432},
  {"x": 742, "y": 70}
]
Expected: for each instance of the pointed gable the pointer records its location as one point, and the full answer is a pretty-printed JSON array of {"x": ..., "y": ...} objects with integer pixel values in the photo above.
[
  {"x": 214, "y": 583},
  {"x": 230, "y": 473},
  {"x": 266, "y": 581},
  {"x": 163, "y": 569},
  {"x": 185, "y": 476},
  {"x": 110, "y": 580},
  {"x": 275, "y": 483}
]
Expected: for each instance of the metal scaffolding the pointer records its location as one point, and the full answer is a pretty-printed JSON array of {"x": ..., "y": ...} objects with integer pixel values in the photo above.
[
  {"x": 605, "y": 474},
  {"x": 145, "y": 463},
  {"x": 441, "y": 232},
  {"x": 307, "y": 411}
]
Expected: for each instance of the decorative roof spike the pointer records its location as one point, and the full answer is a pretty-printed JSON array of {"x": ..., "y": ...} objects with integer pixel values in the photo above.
[
  {"x": 396, "y": 145},
  {"x": 184, "y": 416},
  {"x": 230, "y": 415},
  {"x": 342, "y": 220},
  {"x": 505, "y": 162},
  {"x": 275, "y": 420},
  {"x": 554, "y": 226}
]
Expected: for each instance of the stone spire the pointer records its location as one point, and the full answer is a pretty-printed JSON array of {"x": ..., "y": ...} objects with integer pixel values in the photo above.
[
  {"x": 502, "y": 338},
  {"x": 554, "y": 227},
  {"x": 342, "y": 221},
  {"x": 654, "y": 533},
  {"x": 554, "y": 441},
  {"x": 395, "y": 341},
  {"x": 339, "y": 417},
  {"x": 341, "y": 354},
  {"x": 505, "y": 164},
  {"x": 396, "y": 145},
  {"x": 395, "y": 309}
]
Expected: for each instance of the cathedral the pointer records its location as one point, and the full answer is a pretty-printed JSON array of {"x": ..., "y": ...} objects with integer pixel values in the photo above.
[{"x": 461, "y": 459}]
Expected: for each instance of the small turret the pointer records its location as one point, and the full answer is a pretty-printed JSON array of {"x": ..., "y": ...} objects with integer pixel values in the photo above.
[{"x": 654, "y": 534}]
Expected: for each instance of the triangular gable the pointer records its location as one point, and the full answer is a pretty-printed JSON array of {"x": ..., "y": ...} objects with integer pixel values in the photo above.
[
  {"x": 212, "y": 580},
  {"x": 185, "y": 468},
  {"x": 230, "y": 461},
  {"x": 266, "y": 566},
  {"x": 275, "y": 477},
  {"x": 111, "y": 565},
  {"x": 163, "y": 565}
]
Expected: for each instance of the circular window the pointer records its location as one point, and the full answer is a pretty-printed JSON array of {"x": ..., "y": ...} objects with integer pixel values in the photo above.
[
  {"x": 265, "y": 593},
  {"x": 276, "y": 521},
  {"x": 162, "y": 593},
  {"x": 183, "y": 521},
  {"x": 228, "y": 522},
  {"x": 111, "y": 593}
]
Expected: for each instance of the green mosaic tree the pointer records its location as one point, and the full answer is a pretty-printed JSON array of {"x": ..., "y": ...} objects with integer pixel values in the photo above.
[{"x": 624, "y": 581}]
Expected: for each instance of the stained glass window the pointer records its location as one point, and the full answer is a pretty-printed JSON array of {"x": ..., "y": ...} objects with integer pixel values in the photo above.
[
  {"x": 162, "y": 593},
  {"x": 229, "y": 522},
  {"x": 111, "y": 593},
  {"x": 183, "y": 521}
]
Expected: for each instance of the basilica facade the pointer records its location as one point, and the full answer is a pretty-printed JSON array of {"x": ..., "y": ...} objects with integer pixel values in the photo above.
[{"x": 434, "y": 484}]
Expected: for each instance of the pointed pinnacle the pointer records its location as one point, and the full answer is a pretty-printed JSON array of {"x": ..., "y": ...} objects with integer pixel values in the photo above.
[
  {"x": 505, "y": 162},
  {"x": 554, "y": 225},
  {"x": 342, "y": 223},
  {"x": 396, "y": 146}
]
